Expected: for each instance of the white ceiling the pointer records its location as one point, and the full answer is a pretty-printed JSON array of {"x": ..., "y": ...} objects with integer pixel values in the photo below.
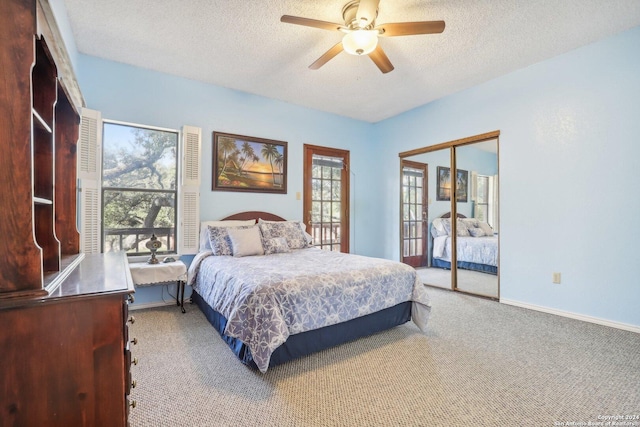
[{"x": 243, "y": 45}]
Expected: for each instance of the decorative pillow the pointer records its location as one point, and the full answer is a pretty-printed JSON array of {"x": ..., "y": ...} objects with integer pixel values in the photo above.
[
  {"x": 290, "y": 230},
  {"x": 462, "y": 229},
  {"x": 204, "y": 230},
  {"x": 245, "y": 241},
  {"x": 219, "y": 239},
  {"x": 470, "y": 222},
  {"x": 486, "y": 228},
  {"x": 276, "y": 245},
  {"x": 476, "y": 232},
  {"x": 303, "y": 226}
]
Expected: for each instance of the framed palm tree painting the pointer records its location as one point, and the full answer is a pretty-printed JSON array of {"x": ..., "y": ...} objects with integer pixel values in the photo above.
[
  {"x": 245, "y": 163},
  {"x": 444, "y": 184}
]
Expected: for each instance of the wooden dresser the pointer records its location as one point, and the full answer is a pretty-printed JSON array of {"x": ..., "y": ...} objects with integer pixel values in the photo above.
[
  {"x": 64, "y": 344},
  {"x": 66, "y": 357}
]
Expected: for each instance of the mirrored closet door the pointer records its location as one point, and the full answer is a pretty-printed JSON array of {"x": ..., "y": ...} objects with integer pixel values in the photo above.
[
  {"x": 477, "y": 207},
  {"x": 461, "y": 180}
]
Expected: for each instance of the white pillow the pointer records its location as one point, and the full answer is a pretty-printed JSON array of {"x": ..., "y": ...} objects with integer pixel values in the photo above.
[
  {"x": 246, "y": 241},
  {"x": 437, "y": 228},
  {"x": 486, "y": 228},
  {"x": 204, "y": 230}
]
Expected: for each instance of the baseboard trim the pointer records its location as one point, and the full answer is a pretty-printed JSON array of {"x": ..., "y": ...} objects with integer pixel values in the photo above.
[
  {"x": 584, "y": 318},
  {"x": 152, "y": 305}
]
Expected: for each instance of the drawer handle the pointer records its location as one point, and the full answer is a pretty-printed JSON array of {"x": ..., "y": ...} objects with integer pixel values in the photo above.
[
  {"x": 132, "y": 320},
  {"x": 133, "y": 384},
  {"x": 131, "y": 298},
  {"x": 132, "y": 404},
  {"x": 134, "y": 341},
  {"x": 134, "y": 361}
]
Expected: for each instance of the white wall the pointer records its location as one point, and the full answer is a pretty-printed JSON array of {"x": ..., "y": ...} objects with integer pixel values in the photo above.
[{"x": 569, "y": 153}]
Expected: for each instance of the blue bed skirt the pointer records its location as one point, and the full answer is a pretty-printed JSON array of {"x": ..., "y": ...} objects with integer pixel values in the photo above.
[
  {"x": 309, "y": 342},
  {"x": 484, "y": 268}
]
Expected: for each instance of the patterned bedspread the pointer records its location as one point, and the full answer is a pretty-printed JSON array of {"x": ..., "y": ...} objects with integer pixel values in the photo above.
[
  {"x": 267, "y": 298},
  {"x": 479, "y": 250}
]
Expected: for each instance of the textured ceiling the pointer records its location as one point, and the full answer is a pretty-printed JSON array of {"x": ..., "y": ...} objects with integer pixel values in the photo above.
[{"x": 244, "y": 46}]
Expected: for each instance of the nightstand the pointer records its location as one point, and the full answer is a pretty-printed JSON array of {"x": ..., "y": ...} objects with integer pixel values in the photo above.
[{"x": 144, "y": 274}]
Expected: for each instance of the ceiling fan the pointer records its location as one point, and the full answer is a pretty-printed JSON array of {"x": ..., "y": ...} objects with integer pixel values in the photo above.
[{"x": 361, "y": 32}]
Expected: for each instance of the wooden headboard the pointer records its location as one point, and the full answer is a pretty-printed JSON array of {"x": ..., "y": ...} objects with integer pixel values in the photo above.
[
  {"x": 243, "y": 216},
  {"x": 448, "y": 215}
]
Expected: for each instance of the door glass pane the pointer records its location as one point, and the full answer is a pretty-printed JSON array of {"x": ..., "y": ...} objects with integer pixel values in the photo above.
[
  {"x": 326, "y": 190},
  {"x": 336, "y": 173},
  {"x": 336, "y": 190},
  {"x": 326, "y": 205},
  {"x": 326, "y": 212}
]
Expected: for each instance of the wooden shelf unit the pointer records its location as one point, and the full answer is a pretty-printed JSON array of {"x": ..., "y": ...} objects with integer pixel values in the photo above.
[
  {"x": 65, "y": 342},
  {"x": 39, "y": 126}
]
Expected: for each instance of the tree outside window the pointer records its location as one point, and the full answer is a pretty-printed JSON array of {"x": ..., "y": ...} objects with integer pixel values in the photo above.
[{"x": 139, "y": 187}]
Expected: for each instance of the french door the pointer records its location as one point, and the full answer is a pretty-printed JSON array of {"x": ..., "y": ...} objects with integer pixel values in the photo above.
[
  {"x": 326, "y": 197},
  {"x": 414, "y": 213}
]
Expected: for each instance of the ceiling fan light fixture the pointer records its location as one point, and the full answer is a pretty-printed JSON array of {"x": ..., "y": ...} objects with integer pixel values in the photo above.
[{"x": 360, "y": 42}]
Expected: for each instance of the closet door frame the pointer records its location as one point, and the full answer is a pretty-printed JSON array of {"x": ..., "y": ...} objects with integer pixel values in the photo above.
[{"x": 451, "y": 145}]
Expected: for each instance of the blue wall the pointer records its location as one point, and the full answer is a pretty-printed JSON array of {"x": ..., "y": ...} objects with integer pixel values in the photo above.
[
  {"x": 568, "y": 151},
  {"x": 126, "y": 93},
  {"x": 568, "y": 158},
  {"x": 469, "y": 159}
]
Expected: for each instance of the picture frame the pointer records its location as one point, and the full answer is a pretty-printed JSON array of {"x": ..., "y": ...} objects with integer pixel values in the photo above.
[
  {"x": 443, "y": 191},
  {"x": 248, "y": 164}
]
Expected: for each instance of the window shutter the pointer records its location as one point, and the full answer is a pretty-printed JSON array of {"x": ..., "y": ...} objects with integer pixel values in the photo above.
[
  {"x": 189, "y": 210},
  {"x": 474, "y": 185},
  {"x": 89, "y": 167},
  {"x": 90, "y": 217}
]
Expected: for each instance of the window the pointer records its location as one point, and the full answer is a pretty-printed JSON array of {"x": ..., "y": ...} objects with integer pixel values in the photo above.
[
  {"x": 482, "y": 198},
  {"x": 139, "y": 187}
]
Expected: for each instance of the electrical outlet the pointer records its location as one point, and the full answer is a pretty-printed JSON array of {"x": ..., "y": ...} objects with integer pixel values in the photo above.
[{"x": 556, "y": 277}]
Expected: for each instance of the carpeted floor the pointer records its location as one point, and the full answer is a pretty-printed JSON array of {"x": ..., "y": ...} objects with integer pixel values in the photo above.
[{"x": 480, "y": 364}]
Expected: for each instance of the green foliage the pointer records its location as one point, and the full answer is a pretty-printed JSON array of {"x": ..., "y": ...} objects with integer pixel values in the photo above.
[{"x": 135, "y": 160}]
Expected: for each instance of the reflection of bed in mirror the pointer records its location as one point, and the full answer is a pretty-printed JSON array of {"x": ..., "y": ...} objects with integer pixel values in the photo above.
[{"x": 477, "y": 245}]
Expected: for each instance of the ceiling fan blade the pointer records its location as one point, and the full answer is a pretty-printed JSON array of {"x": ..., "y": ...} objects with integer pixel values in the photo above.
[
  {"x": 410, "y": 28},
  {"x": 367, "y": 10},
  {"x": 323, "y": 25},
  {"x": 380, "y": 59},
  {"x": 328, "y": 55}
]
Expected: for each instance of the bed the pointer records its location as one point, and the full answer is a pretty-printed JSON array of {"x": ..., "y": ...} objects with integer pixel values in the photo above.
[
  {"x": 477, "y": 245},
  {"x": 298, "y": 300}
]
